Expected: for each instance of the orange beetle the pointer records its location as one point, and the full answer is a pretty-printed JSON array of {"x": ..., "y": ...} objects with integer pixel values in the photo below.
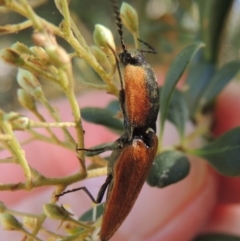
[{"x": 139, "y": 97}]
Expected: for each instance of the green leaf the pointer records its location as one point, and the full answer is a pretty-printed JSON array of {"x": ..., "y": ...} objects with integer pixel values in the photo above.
[
  {"x": 213, "y": 17},
  {"x": 174, "y": 74},
  {"x": 217, "y": 237},
  {"x": 114, "y": 106},
  {"x": 103, "y": 117},
  {"x": 178, "y": 111},
  {"x": 223, "y": 153},
  {"x": 168, "y": 167},
  {"x": 198, "y": 79},
  {"x": 88, "y": 216},
  {"x": 219, "y": 81}
]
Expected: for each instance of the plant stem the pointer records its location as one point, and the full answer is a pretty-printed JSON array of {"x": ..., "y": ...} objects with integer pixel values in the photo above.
[{"x": 18, "y": 152}]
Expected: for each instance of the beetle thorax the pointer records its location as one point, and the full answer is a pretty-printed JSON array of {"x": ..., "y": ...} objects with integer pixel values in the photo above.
[{"x": 132, "y": 57}]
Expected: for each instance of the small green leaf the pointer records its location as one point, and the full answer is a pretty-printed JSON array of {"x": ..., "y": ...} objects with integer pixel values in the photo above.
[
  {"x": 223, "y": 153},
  {"x": 217, "y": 237},
  {"x": 103, "y": 117},
  {"x": 178, "y": 111},
  {"x": 174, "y": 74},
  {"x": 114, "y": 106},
  {"x": 168, "y": 167},
  {"x": 197, "y": 80},
  {"x": 219, "y": 80},
  {"x": 88, "y": 216}
]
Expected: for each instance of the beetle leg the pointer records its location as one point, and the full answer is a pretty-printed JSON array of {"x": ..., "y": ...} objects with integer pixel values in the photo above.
[
  {"x": 103, "y": 188},
  {"x": 100, "y": 193},
  {"x": 98, "y": 149}
]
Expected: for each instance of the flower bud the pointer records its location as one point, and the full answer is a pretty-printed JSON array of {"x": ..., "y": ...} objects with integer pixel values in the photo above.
[
  {"x": 21, "y": 48},
  {"x": 39, "y": 38},
  {"x": 57, "y": 55},
  {"x": 103, "y": 37},
  {"x": 39, "y": 52},
  {"x": 26, "y": 100},
  {"x": 129, "y": 18},
  {"x": 53, "y": 70},
  {"x": 21, "y": 123},
  {"x": 30, "y": 222},
  {"x": 28, "y": 82},
  {"x": 55, "y": 212},
  {"x": 17, "y": 121},
  {"x": 12, "y": 57},
  {"x": 9, "y": 222}
]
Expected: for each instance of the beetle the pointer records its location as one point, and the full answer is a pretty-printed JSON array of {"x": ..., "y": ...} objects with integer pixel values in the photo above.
[
  {"x": 128, "y": 167},
  {"x": 133, "y": 153},
  {"x": 139, "y": 96}
]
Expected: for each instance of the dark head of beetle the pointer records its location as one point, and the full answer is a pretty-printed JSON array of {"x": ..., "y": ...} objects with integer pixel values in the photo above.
[{"x": 133, "y": 57}]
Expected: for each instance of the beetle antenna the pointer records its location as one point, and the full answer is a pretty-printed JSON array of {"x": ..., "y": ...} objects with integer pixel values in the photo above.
[
  {"x": 118, "y": 66},
  {"x": 151, "y": 49},
  {"x": 119, "y": 23}
]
